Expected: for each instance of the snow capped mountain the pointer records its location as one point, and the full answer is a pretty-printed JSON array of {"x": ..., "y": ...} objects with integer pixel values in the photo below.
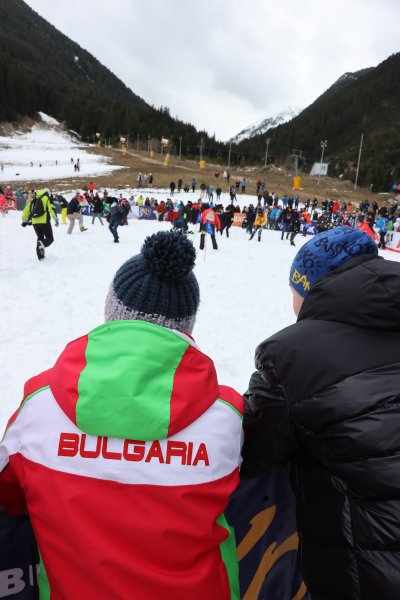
[{"x": 266, "y": 123}]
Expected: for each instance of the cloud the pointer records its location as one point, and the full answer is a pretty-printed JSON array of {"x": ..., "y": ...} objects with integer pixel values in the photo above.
[{"x": 224, "y": 65}]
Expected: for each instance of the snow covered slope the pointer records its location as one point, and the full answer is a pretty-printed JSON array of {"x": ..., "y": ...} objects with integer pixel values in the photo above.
[
  {"x": 266, "y": 123},
  {"x": 46, "y": 152}
]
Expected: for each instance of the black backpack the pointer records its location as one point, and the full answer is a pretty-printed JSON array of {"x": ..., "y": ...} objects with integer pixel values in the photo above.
[{"x": 37, "y": 207}]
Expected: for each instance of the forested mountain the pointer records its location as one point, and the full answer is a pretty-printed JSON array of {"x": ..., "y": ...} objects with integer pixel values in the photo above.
[
  {"x": 43, "y": 70},
  {"x": 366, "y": 102}
]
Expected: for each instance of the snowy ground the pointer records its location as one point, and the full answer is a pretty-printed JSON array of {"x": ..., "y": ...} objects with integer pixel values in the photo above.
[
  {"x": 52, "y": 148},
  {"x": 245, "y": 296}
]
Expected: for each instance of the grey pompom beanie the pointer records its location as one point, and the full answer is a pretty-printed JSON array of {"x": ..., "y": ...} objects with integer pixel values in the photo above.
[{"x": 158, "y": 284}]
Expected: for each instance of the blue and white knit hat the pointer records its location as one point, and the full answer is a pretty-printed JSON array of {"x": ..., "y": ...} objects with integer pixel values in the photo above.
[
  {"x": 158, "y": 284},
  {"x": 325, "y": 252}
]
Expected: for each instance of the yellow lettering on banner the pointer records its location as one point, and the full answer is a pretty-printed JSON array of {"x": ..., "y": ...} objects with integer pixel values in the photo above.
[
  {"x": 302, "y": 279},
  {"x": 259, "y": 525}
]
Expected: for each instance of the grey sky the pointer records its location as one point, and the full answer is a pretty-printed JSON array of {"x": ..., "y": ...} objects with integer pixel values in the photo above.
[{"x": 223, "y": 64}]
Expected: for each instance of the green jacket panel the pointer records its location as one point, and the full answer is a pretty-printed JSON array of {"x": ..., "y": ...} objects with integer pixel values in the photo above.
[{"x": 48, "y": 208}]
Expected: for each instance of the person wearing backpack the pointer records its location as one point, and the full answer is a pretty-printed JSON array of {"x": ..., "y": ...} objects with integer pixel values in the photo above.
[{"x": 37, "y": 212}]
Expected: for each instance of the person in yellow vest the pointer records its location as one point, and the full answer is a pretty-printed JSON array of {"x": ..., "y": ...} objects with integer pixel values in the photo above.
[
  {"x": 259, "y": 223},
  {"x": 63, "y": 205},
  {"x": 140, "y": 201},
  {"x": 37, "y": 212}
]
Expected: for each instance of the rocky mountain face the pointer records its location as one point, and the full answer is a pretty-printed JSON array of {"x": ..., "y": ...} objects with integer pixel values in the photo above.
[{"x": 262, "y": 126}]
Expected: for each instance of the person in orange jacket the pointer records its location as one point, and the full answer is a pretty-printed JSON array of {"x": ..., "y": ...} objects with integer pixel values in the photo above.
[
  {"x": 305, "y": 221},
  {"x": 209, "y": 223}
]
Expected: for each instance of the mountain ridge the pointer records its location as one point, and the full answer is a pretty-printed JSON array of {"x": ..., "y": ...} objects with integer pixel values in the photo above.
[
  {"x": 363, "y": 103},
  {"x": 43, "y": 70},
  {"x": 262, "y": 125}
]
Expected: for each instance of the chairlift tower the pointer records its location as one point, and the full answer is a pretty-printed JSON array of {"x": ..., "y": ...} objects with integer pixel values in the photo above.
[
  {"x": 324, "y": 144},
  {"x": 297, "y": 155}
]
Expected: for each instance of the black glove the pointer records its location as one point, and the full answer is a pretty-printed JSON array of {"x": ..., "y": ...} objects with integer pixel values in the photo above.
[{"x": 24, "y": 223}]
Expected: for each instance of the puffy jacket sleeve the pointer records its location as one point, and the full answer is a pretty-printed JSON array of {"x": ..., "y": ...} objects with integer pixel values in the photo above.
[
  {"x": 26, "y": 211},
  {"x": 50, "y": 208},
  {"x": 271, "y": 438}
]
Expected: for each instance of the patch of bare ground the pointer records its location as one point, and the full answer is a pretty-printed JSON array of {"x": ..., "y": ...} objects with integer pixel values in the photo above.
[{"x": 278, "y": 180}]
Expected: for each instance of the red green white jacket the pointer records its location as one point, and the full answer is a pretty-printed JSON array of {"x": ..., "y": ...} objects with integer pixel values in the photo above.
[{"x": 125, "y": 454}]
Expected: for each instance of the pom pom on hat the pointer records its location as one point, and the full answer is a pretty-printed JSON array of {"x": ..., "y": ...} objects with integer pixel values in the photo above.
[
  {"x": 158, "y": 284},
  {"x": 325, "y": 252},
  {"x": 170, "y": 256}
]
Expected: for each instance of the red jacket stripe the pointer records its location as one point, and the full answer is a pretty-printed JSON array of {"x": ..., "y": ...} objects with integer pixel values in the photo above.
[
  {"x": 190, "y": 374},
  {"x": 68, "y": 368}
]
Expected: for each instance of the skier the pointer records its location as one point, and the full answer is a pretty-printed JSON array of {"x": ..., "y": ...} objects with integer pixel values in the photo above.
[
  {"x": 37, "y": 213},
  {"x": 125, "y": 453}
]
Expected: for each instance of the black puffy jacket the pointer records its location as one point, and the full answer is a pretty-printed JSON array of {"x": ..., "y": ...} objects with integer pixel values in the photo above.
[
  {"x": 326, "y": 397},
  {"x": 73, "y": 207}
]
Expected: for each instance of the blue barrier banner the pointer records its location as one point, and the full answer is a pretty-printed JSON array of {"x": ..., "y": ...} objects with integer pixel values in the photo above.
[
  {"x": 147, "y": 212},
  {"x": 263, "y": 514},
  {"x": 311, "y": 229}
]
